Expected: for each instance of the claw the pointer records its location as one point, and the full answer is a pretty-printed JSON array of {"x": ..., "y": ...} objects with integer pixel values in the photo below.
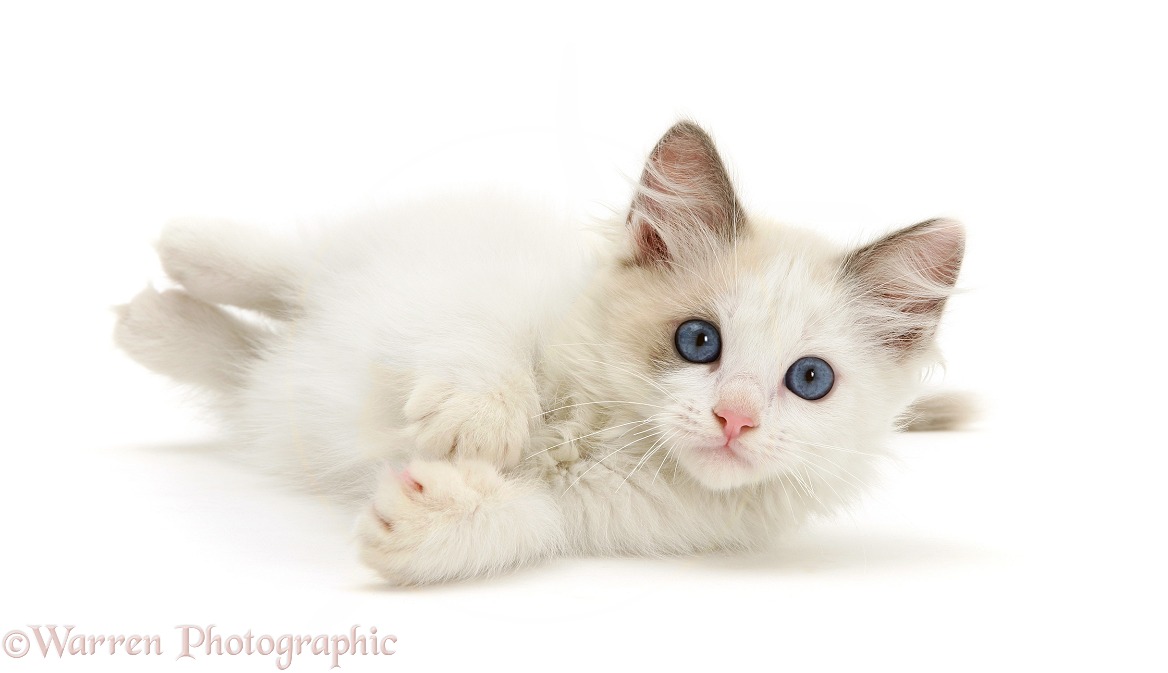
[
  {"x": 385, "y": 523},
  {"x": 409, "y": 481}
]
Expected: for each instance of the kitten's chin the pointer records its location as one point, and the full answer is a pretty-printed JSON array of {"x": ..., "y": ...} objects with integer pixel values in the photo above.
[{"x": 719, "y": 468}]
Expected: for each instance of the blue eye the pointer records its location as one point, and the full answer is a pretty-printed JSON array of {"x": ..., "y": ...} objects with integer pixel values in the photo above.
[
  {"x": 810, "y": 378},
  {"x": 698, "y": 341}
]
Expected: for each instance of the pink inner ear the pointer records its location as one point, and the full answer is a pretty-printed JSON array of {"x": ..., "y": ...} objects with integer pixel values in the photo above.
[
  {"x": 684, "y": 200},
  {"x": 909, "y": 274},
  {"x": 683, "y": 166},
  {"x": 650, "y": 246},
  {"x": 920, "y": 260},
  {"x": 937, "y": 251}
]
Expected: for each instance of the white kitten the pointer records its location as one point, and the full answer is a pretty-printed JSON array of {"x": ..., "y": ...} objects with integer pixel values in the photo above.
[{"x": 692, "y": 379}]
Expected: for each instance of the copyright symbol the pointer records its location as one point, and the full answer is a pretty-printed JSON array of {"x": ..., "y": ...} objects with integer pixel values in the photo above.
[{"x": 15, "y": 644}]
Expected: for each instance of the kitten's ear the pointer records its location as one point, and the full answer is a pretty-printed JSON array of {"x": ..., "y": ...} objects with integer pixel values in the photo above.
[
  {"x": 906, "y": 278},
  {"x": 684, "y": 204}
]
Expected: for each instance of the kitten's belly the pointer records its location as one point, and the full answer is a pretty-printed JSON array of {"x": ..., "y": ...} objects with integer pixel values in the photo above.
[{"x": 458, "y": 289}]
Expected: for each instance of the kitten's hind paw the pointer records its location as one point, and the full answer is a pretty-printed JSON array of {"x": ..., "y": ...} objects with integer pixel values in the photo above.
[
  {"x": 220, "y": 262},
  {"x": 189, "y": 340},
  {"x": 440, "y": 520},
  {"x": 449, "y": 420}
]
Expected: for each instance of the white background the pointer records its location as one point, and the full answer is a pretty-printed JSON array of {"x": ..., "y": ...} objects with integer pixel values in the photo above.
[{"x": 1033, "y": 543}]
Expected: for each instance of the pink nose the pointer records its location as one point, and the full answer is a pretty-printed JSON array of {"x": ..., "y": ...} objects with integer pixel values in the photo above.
[{"x": 733, "y": 423}]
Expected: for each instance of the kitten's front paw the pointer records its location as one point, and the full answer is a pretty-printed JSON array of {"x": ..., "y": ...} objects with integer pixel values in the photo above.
[
  {"x": 495, "y": 426},
  {"x": 439, "y": 520}
]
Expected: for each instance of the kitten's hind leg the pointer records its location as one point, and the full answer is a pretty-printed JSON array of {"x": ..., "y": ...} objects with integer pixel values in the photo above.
[
  {"x": 222, "y": 262},
  {"x": 443, "y": 520},
  {"x": 186, "y": 339}
]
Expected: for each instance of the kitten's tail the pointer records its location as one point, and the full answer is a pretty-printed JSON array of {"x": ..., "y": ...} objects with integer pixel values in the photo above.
[
  {"x": 191, "y": 341},
  {"x": 940, "y": 411}
]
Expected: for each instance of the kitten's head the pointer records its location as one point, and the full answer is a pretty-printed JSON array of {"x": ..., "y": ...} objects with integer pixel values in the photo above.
[{"x": 759, "y": 352}]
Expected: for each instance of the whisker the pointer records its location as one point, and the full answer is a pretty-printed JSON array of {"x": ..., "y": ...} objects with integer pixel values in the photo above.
[
  {"x": 805, "y": 486},
  {"x": 652, "y": 450},
  {"x": 822, "y": 472},
  {"x": 591, "y": 467},
  {"x": 854, "y": 484},
  {"x": 787, "y": 495},
  {"x": 835, "y": 448},
  {"x": 611, "y": 427},
  {"x": 665, "y": 459},
  {"x": 640, "y": 433},
  {"x": 584, "y": 404}
]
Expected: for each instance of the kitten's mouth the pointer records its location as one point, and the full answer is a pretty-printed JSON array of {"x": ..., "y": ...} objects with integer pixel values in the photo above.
[
  {"x": 727, "y": 452},
  {"x": 719, "y": 465}
]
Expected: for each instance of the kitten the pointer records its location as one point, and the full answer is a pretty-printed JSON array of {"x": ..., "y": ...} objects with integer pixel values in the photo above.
[{"x": 691, "y": 379}]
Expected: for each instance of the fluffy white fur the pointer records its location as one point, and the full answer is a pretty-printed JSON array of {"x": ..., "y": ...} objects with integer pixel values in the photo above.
[{"x": 524, "y": 368}]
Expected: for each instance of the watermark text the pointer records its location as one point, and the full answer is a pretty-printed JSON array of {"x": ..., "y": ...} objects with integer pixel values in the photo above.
[{"x": 193, "y": 641}]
